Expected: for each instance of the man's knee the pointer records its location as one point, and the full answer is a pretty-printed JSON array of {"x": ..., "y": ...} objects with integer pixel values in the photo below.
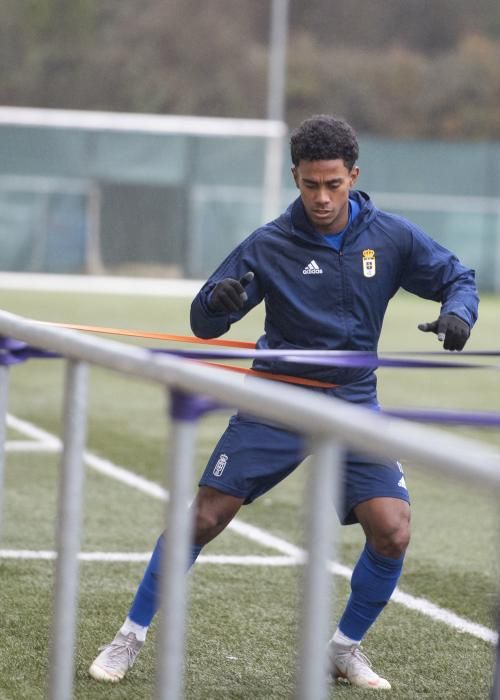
[
  {"x": 393, "y": 542},
  {"x": 207, "y": 524},
  {"x": 213, "y": 511},
  {"x": 386, "y": 523}
]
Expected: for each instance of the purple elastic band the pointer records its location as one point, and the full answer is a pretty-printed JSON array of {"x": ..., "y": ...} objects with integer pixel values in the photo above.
[
  {"x": 479, "y": 419},
  {"x": 11, "y": 344},
  {"x": 186, "y": 407},
  {"x": 336, "y": 358},
  {"x": 13, "y": 352},
  {"x": 462, "y": 353},
  {"x": 190, "y": 407}
]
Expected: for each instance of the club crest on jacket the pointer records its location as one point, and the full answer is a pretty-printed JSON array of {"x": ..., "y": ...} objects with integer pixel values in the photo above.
[{"x": 369, "y": 263}]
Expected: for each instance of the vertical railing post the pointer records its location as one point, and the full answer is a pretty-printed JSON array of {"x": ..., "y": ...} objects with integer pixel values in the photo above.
[
  {"x": 68, "y": 532},
  {"x": 4, "y": 398},
  {"x": 495, "y": 693},
  {"x": 323, "y": 494},
  {"x": 184, "y": 413}
]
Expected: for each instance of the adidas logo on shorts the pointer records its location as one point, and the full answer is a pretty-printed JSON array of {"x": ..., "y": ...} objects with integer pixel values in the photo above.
[
  {"x": 312, "y": 269},
  {"x": 401, "y": 482}
]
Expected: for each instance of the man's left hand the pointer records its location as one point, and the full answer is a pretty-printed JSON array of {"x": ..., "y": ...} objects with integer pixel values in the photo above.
[{"x": 450, "y": 329}]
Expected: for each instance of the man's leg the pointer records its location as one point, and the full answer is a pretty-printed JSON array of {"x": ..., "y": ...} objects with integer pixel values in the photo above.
[
  {"x": 386, "y": 523},
  {"x": 213, "y": 510}
]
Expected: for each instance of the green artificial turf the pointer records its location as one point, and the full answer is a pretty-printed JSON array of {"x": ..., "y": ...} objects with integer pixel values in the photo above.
[{"x": 243, "y": 624}]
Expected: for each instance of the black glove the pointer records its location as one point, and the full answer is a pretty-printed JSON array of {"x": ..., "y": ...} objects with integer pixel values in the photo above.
[
  {"x": 449, "y": 328},
  {"x": 229, "y": 295}
]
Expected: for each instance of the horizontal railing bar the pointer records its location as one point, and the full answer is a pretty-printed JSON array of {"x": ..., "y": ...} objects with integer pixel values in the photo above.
[{"x": 297, "y": 409}]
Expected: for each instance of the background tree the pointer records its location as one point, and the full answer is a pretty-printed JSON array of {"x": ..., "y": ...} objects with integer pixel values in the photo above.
[{"x": 416, "y": 69}]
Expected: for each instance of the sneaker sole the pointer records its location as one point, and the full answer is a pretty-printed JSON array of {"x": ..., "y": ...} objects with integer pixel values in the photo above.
[
  {"x": 99, "y": 674},
  {"x": 381, "y": 684},
  {"x": 365, "y": 685}
]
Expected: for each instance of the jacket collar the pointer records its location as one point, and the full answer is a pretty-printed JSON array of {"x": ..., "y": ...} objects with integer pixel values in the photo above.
[{"x": 296, "y": 221}]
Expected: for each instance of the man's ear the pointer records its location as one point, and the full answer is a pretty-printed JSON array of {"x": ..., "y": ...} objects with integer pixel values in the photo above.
[
  {"x": 295, "y": 176},
  {"x": 354, "y": 174}
]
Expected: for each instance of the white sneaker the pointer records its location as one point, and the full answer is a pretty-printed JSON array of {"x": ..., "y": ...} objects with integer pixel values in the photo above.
[
  {"x": 116, "y": 658},
  {"x": 350, "y": 663}
]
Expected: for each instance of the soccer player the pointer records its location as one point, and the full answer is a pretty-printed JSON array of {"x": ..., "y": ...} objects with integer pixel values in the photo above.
[{"x": 326, "y": 270}]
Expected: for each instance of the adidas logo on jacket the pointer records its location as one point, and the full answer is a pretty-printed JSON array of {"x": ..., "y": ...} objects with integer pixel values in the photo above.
[{"x": 312, "y": 269}]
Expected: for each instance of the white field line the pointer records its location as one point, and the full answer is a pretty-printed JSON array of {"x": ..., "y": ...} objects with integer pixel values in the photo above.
[
  {"x": 421, "y": 605},
  {"x": 41, "y": 437},
  {"x": 29, "y": 446},
  {"x": 443, "y": 615},
  {"x": 97, "y": 284},
  {"x": 142, "y": 557},
  {"x": 103, "y": 466},
  {"x": 290, "y": 551},
  {"x": 48, "y": 442}
]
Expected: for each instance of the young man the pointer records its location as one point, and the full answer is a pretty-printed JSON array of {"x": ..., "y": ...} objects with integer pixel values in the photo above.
[{"x": 326, "y": 270}]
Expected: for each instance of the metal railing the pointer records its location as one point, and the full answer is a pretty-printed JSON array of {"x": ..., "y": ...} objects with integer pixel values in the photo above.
[{"x": 331, "y": 425}]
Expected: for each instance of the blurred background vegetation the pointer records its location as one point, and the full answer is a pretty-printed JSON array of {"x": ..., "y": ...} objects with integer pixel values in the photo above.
[{"x": 418, "y": 68}]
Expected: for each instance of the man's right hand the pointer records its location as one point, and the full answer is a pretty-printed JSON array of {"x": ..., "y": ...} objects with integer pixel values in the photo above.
[{"x": 229, "y": 294}]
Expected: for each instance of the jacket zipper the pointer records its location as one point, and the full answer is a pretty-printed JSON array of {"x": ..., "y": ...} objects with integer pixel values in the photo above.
[{"x": 345, "y": 304}]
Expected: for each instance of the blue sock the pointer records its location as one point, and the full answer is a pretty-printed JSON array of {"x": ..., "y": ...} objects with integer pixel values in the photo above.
[
  {"x": 373, "y": 580},
  {"x": 146, "y": 601}
]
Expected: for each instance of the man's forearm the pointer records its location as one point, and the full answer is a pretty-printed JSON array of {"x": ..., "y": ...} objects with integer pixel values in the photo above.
[{"x": 206, "y": 323}]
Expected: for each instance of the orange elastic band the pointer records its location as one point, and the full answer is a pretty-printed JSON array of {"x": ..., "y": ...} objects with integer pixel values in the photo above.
[
  {"x": 301, "y": 381},
  {"x": 155, "y": 336}
]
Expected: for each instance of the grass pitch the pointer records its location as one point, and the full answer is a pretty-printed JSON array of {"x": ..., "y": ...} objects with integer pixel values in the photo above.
[{"x": 242, "y": 620}]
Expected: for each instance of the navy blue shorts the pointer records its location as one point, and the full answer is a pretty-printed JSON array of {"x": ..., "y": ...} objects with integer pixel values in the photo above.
[{"x": 251, "y": 457}]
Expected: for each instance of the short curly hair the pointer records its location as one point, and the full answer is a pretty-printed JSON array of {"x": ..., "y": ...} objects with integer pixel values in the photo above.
[{"x": 324, "y": 137}]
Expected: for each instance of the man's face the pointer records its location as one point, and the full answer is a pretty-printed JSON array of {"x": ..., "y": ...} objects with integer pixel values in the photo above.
[{"x": 324, "y": 187}]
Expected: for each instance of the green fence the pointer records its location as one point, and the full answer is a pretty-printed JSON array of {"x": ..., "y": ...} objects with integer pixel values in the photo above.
[{"x": 130, "y": 194}]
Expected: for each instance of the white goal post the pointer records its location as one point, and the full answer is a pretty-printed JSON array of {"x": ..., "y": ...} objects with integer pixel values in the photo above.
[{"x": 274, "y": 132}]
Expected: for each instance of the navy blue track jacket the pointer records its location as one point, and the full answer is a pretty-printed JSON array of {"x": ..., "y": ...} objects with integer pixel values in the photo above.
[{"x": 318, "y": 298}]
